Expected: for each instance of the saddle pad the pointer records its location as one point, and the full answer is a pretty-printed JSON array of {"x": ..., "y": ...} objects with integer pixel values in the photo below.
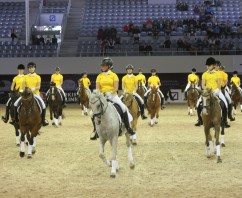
[
  {"x": 119, "y": 111},
  {"x": 38, "y": 103}
]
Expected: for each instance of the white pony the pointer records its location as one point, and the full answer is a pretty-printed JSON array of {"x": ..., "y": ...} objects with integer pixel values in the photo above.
[{"x": 107, "y": 125}]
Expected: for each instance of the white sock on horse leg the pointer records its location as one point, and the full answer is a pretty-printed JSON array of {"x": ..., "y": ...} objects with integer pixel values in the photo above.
[
  {"x": 114, "y": 166},
  {"x": 218, "y": 150},
  {"x": 17, "y": 139},
  {"x": 207, "y": 150},
  {"x": 35, "y": 142},
  {"x": 134, "y": 137},
  {"x": 22, "y": 147},
  {"x": 222, "y": 139},
  {"x": 211, "y": 146},
  {"x": 60, "y": 119},
  {"x": 130, "y": 155},
  {"x": 241, "y": 107},
  {"x": 30, "y": 147}
]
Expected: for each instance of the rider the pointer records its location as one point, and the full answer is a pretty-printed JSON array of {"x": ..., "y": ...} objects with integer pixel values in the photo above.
[
  {"x": 17, "y": 85},
  {"x": 130, "y": 85},
  {"x": 191, "y": 78},
  {"x": 86, "y": 82},
  {"x": 107, "y": 83},
  {"x": 140, "y": 76},
  {"x": 212, "y": 79},
  {"x": 154, "y": 80},
  {"x": 236, "y": 80},
  {"x": 57, "y": 78},
  {"x": 32, "y": 81},
  {"x": 224, "y": 82}
]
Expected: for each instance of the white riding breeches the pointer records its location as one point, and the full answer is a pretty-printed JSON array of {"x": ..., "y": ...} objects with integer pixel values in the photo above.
[
  {"x": 138, "y": 96},
  {"x": 149, "y": 90},
  {"x": 227, "y": 96},
  {"x": 7, "y": 104},
  {"x": 188, "y": 85},
  {"x": 36, "y": 96},
  {"x": 145, "y": 88},
  {"x": 60, "y": 88},
  {"x": 117, "y": 100}
]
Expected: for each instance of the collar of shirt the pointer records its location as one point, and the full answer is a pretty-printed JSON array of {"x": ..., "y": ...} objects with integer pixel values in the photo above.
[
  {"x": 33, "y": 74},
  {"x": 129, "y": 75},
  {"x": 107, "y": 72},
  {"x": 21, "y": 75},
  {"x": 211, "y": 71}
]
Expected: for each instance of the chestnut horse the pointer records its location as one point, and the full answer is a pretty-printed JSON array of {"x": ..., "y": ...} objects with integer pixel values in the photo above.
[
  {"x": 29, "y": 121},
  {"x": 153, "y": 105},
  {"x": 212, "y": 118},
  {"x": 192, "y": 97},
  {"x": 140, "y": 89},
  {"x": 83, "y": 97},
  {"x": 129, "y": 100},
  {"x": 55, "y": 104},
  {"x": 235, "y": 97}
]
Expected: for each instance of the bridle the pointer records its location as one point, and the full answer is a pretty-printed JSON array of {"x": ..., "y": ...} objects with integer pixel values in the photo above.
[{"x": 103, "y": 110}]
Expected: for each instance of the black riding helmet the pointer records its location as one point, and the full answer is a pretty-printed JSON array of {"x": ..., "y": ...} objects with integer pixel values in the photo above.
[
  {"x": 194, "y": 70},
  {"x": 140, "y": 70},
  {"x": 107, "y": 62},
  {"x": 235, "y": 72},
  {"x": 129, "y": 66},
  {"x": 31, "y": 64},
  {"x": 210, "y": 61},
  {"x": 21, "y": 67},
  {"x": 222, "y": 67},
  {"x": 153, "y": 70},
  {"x": 217, "y": 62},
  {"x": 57, "y": 69}
]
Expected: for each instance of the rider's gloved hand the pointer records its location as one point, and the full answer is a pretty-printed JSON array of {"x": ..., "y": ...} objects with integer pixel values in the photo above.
[{"x": 33, "y": 89}]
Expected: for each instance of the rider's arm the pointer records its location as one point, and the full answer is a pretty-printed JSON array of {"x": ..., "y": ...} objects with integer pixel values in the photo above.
[
  {"x": 98, "y": 86},
  {"x": 61, "y": 81},
  {"x": 115, "y": 86},
  {"x": 12, "y": 86},
  {"x": 123, "y": 85},
  {"x": 136, "y": 86},
  {"x": 203, "y": 83},
  {"x": 219, "y": 83}
]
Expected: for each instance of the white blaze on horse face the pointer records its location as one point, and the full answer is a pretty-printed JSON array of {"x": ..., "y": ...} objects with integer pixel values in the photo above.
[
  {"x": 204, "y": 105},
  {"x": 52, "y": 93},
  {"x": 153, "y": 98}
]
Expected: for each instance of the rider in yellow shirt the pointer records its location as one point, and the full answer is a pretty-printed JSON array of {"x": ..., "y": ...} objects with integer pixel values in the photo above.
[
  {"x": 86, "y": 82},
  {"x": 211, "y": 79},
  {"x": 224, "y": 89},
  {"x": 140, "y": 76},
  {"x": 154, "y": 80},
  {"x": 57, "y": 78},
  {"x": 130, "y": 85},
  {"x": 32, "y": 81},
  {"x": 16, "y": 85},
  {"x": 191, "y": 78},
  {"x": 107, "y": 82},
  {"x": 236, "y": 80}
]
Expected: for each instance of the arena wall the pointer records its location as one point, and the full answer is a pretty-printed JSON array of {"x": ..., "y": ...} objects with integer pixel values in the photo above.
[{"x": 77, "y": 65}]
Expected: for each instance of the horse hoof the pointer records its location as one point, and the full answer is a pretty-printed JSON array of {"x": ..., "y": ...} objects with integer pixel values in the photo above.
[
  {"x": 60, "y": 124},
  {"x": 156, "y": 122},
  {"x": 86, "y": 114},
  {"x": 219, "y": 160},
  {"x": 134, "y": 142},
  {"x": 33, "y": 151},
  {"x": 223, "y": 145},
  {"x": 53, "y": 124},
  {"x": 27, "y": 143},
  {"x": 18, "y": 145},
  {"x": 209, "y": 156},
  {"x": 131, "y": 165},
  {"x": 112, "y": 175},
  {"x": 29, "y": 156},
  {"x": 21, "y": 154}
]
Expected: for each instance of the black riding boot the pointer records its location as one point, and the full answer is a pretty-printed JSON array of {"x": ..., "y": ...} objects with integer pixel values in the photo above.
[
  {"x": 126, "y": 123},
  {"x": 145, "y": 100},
  {"x": 224, "y": 114},
  {"x": 185, "y": 95},
  {"x": 6, "y": 118},
  {"x": 230, "y": 113},
  {"x": 63, "y": 98},
  {"x": 162, "y": 103},
  {"x": 15, "y": 115},
  {"x": 199, "y": 121},
  {"x": 44, "y": 121},
  {"x": 142, "y": 108},
  {"x": 94, "y": 134}
]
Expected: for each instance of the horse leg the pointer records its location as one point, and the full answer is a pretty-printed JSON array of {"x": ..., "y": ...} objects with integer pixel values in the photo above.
[
  {"x": 17, "y": 135},
  {"x": 207, "y": 134},
  {"x": 134, "y": 127},
  {"x": 115, "y": 166},
  {"x": 157, "y": 116},
  {"x": 188, "y": 110},
  {"x": 101, "y": 152},
  {"x": 30, "y": 146},
  {"x": 60, "y": 115},
  {"x": 222, "y": 135},
  {"x": 217, "y": 131},
  {"x": 34, "y": 145},
  {"x": 55, "y": 119},
  {"x": 152, "y": 119},
  {"x": 22, "y": 144},
  {"x": 130, "y": 155},
  {"x": 82, "y": 106}
]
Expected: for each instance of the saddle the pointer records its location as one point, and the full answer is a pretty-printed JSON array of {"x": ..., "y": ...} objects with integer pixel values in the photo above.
[{"x": 37, "y": 101}]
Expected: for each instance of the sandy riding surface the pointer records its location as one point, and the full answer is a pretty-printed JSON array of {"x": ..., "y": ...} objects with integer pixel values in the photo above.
[{"x": 170, "y": 161}]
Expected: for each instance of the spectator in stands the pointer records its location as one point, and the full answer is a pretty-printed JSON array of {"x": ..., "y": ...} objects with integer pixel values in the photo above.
[
  {"x": 167, "y": 43},
  {"x": 141, "y": 48},
  {"x": 111, "y": 43},
  {"x": 48, "y": 42},
  {"x": 113, "y": 32},
  {"x": 131, "y": 28},
  {"x": 187, "y": 44},
  {"x": 167, "y": 28},
  {"x": 103, "y": 47},
  {"x": 179, "y": 44},
  {"x": 54, "y": 40},
  {"x": 217, "y": 44},
  {"x": 13, "y": 34},
  {"x": 42, "y": 40},
  {"x": 199, "y": 44},
  {"x": 155, "y": 32},
  {"x": 196, "y": 9},
  {"x": 100, "y": 33},
  {"x": 148, "y": 49},
  {"x": 126, "y": 28},
  {"x": 118, "y": 40}
]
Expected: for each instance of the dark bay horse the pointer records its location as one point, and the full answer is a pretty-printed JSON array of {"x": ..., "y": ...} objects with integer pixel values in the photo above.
[
  {"x": 83, "y": 97},
  {"x": 14, "y": 95},
  {"x": 212, "y": 118},
  {"x": 55, "y": 104},
  {"x": 129, "y": 100},
  {"x": 192, "y": 97},
  {"x": 235, "y": 96},
  {"x": 140, "y": 89},
  {"x": 29, "y": 121},
  {"x": 153, "y": 105},
  {"x": 107, "y": 125}
]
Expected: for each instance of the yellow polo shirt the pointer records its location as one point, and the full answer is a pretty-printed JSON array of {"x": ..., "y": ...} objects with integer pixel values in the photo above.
[
  {"x": 86, "y": 82},
  {"x": 107, "y": 81},
  {"x": 224, "y": 78},
  {"x": 154, "y": 80},
  {"x": 141, "y": 77},
  {"x": 129, "y": 83},
  {"x": 193, "y": 78},
  {"x": 235, "y": 80},
  {"x": 18, "y": 80},
  {"x": 31, "y": 81},
  {"x": 211, "y": 79},
  {"x": 57, "y": 79}
]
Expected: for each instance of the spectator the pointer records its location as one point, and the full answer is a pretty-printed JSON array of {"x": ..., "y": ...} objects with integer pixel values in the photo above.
[
  {"x": 103, "y": 46},
  {"x": 54, "y": 40},
  {"x": 111, "y": 43},
  {"x": 167, "y": 43},
  {"x": 100, "y": 33},
  {"x": 113, "y": 32},
  {"x": 180, "y": 44},
  {"x": 148, "y": 49},
  {"x": 42, "y": 40},
  {"x": 13, "y": 34}
]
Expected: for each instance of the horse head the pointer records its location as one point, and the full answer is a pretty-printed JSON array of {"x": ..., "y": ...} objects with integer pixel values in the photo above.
[
  {"x": 127, "y": 99},
  {"x": 53, "y": 90},
  {"x": 139, "y": 84},
  {"x": 27, "y": 97},
  {"x": 98, "y": 103},
  {"x": 14, "y": 94}
]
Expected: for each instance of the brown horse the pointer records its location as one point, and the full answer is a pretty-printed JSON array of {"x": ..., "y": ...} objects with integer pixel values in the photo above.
[
  {"x": 29, "y": 121},
  {"x": 235, "y": 97},
  {"x": 192, "y": 97},
  {"x": 129, "y": 100},
  {"x": 153, "y": 105},
  {"x": 55, "y": 104},
  {"x": 212, "y": 118},
  {"x": 140, "y": 89},
  {"x": 83, "y": 97}
]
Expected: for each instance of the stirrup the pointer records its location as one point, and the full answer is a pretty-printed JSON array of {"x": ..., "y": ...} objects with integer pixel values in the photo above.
[
  {"x": 94, "y": 135},
  {"x": 144, "y": 117},
  {"x": 131, "y": 132},
  {"x": 4, "y": 119}
]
